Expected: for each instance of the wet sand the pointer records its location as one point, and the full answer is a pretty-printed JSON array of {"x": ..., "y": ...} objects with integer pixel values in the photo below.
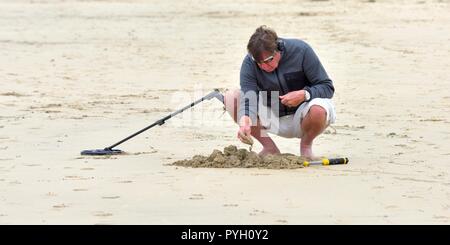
[
  {"x": 82, "y": 75},
  {"x": 232, "y": 157}
]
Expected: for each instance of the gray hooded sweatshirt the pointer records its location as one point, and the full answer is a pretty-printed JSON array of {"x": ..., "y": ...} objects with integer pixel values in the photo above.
[{"x": 299, "y": 68}]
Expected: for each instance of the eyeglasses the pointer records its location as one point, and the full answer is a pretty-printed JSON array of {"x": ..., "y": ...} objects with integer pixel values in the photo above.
[{"x": 266, "y": 60}]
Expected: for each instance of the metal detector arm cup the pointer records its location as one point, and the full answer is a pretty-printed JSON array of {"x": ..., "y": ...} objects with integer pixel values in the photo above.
[{"x": 215, "y": 94}]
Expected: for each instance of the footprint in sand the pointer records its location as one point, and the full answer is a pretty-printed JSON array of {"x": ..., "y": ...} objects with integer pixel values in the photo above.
[
  {"x": 259, "y": 174},
  {"x": 102, "y": 214},
  {"x": 257, "y": 212},
  {"x": 60, "y": 206},
  {"x": 281, "y": 221},
  {"x": 196, "y": 197},
  {"x": 15, "y": 182},
  {"x": 144, "y": 152},
  {"x": 110, "y": 197},
  {"x": 392, "y": 135},
  {"x": 412, "y": 196},
  {"x": 15, "y": 94},
  {"x": 6, "y": 159},
  {"x": 391, "y": 207},
  {"x": 73, "y": 177},
  {"x": 231, "y": 205},
  {"x": 125, "y": 181},
  {"x": 441, "y": 217},
  {"x": 51, "y": 194}
]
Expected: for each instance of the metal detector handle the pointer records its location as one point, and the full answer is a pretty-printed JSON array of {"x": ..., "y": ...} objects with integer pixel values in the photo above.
[{"x": 162, "y": 120}]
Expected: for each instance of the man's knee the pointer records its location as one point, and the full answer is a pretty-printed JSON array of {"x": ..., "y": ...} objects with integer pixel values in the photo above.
[
  {"x": 231, "y": 98},
  {"x": 231, "y": 101},
  {"x": 317, "y": 114}
]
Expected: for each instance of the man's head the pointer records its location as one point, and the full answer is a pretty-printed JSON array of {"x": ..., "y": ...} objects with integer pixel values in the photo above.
[{"x": 263, "y": 48}]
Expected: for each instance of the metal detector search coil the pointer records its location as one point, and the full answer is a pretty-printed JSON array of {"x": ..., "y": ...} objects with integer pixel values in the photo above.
[{"x": 101, "y": 152}]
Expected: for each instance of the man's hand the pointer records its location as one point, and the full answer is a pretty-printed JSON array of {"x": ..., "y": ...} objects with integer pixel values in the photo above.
[
  {"x": 244, "y": 129},
  {"x": 293, "y": 99}
]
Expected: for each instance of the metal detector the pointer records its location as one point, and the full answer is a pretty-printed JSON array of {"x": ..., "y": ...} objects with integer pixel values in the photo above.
[{"x": 110, "y": 151}]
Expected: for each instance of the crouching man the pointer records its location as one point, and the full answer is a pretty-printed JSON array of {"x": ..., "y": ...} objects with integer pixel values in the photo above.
[{"x": 284, "y": 91}]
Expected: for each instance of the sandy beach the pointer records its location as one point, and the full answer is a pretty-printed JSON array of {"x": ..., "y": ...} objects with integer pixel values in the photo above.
[{"x": 78, "y": 75}]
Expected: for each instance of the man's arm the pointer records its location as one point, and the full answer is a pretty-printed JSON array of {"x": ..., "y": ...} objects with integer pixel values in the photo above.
[
  {"x": 249, "y": 93},
  {"x": 321, "y": 84}
]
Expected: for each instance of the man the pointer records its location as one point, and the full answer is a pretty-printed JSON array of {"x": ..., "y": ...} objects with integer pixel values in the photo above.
[{"x": 285, "y": 77}]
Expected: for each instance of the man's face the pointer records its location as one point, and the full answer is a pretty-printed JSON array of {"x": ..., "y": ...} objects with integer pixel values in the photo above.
[{"x": 269, "y": 61}]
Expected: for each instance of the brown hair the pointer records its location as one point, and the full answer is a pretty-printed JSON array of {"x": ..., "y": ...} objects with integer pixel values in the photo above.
[{"x": 264, "y": 39}]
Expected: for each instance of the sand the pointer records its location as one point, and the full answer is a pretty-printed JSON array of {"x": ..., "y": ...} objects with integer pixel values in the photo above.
[
  {"x": 232, "y": 157},
  {"x": 79, "y": 75}
]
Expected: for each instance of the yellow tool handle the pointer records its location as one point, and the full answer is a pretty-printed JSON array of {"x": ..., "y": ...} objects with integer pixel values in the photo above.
[{"x": 326, "y": 161}]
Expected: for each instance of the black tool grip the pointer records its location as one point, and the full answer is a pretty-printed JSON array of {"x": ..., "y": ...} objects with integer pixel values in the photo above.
[{"x": 335, "y": 161}]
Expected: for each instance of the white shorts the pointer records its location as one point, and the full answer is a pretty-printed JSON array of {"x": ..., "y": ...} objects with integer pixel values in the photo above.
[{"x": 290, "y": 126}]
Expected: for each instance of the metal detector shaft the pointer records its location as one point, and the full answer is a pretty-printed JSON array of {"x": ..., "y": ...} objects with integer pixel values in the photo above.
[{"x": 214, "y": 94}]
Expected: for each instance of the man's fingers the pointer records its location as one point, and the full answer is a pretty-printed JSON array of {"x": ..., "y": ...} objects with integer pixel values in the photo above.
[
  {"x": 245, "y": 139},
  {"x": 242, "y": 134},
  {"x": 239, "y": 135},
  {"x": 286, "y": 103}
]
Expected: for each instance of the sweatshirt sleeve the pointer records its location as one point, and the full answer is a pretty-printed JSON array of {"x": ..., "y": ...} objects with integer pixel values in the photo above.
[
  {"x": 248, "y": 101},
  {"x": 321, "y": 84}
]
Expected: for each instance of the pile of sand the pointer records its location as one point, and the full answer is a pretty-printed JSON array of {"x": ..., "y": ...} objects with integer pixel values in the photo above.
[{"x": 232, "y": 157}]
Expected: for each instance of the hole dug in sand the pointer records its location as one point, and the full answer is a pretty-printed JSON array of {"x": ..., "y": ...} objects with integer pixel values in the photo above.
[{"x": 232, "y": 157}]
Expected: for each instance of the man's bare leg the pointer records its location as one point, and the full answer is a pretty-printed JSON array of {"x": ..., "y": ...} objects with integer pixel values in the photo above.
[
  {"x": 312, "y": 125},
  {"x": 231, "y": 101}
]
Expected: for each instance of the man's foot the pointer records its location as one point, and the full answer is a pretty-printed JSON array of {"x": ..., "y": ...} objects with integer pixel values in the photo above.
[
  {"x": 306, "y": 152},
  {"x": 269, "y": 151}
]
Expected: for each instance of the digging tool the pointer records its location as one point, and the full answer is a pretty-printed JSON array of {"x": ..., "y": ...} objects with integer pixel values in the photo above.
[{"x": 326, "y": 161}]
